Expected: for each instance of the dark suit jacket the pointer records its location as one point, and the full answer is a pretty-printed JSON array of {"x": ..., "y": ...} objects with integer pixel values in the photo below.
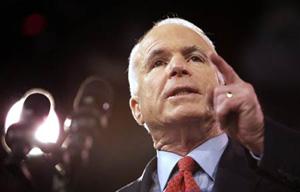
[{"x": 278, "y": 171}]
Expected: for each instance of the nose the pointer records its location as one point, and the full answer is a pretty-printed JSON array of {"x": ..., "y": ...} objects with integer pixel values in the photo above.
[{"x": 178, "y": 67}]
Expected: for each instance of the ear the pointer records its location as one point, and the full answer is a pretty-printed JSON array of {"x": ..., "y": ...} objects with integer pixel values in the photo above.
[{"x": 136, "y": 110}]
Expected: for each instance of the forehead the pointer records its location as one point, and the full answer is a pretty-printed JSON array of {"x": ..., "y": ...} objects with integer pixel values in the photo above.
[{"x": 172, "y": 37}]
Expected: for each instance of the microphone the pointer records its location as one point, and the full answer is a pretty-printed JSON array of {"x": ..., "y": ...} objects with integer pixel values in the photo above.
[
  {"x": 94, "y": 98},
  {"x": 91, "y": 110},
  {"x": 22, "y": 121},
  {"x": 19, "y": 137}
]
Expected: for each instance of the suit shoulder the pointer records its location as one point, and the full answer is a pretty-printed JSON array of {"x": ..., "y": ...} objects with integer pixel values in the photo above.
[
  {"x": 134, "y": 186},
  {"x": 144, "y": 182}
]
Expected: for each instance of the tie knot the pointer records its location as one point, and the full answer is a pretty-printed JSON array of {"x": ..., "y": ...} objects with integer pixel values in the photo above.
[{"x": 186, "y": 164}]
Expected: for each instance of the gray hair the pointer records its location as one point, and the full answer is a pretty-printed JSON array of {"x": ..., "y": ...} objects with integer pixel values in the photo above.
[{"x": 132, "y": 76}]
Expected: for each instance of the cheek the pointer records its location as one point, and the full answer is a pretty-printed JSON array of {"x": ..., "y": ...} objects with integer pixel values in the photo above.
[
  {"x": 148, "y": 93},
  {"x": 153, "y": 84},
  {"x": 151, "y": 90},
  {"x": 147, "y": 90}
]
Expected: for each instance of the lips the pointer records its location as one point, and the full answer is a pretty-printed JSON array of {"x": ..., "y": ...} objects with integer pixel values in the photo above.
[{"x": 177, "y": 91}]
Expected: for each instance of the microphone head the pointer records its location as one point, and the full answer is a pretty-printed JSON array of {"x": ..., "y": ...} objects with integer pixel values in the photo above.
[
  {"x": 25, "y": 119},
  {"x": 36, "y": 107},
  {"x": 95, "y": 94}
]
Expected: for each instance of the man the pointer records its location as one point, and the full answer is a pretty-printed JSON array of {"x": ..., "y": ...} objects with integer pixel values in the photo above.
[{"x": 199, "y": 112}]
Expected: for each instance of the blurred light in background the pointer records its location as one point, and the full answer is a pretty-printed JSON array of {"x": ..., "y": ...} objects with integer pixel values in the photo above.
[
  {"x": 47, "y": 132},
  {"x": 33, "y": 25}
]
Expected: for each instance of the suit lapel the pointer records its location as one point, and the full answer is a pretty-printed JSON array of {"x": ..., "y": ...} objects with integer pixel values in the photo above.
[
  {"x": 234, "y": 171},
  {"x": 146, "y": 179}
]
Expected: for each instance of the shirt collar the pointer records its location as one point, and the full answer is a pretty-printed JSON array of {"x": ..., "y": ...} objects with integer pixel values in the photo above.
[{"x": 207, "y": 155}]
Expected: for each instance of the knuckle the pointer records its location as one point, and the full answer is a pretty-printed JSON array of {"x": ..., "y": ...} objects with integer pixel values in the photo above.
[{"x": 249, "y": 87}]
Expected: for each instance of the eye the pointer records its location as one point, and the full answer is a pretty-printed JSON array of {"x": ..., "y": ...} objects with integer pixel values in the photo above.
[
  {"x": 157, "y": 63},
  {"x": 196, "y": 58}
]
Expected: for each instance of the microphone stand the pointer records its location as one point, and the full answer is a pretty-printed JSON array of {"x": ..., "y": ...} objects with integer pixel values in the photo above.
[
  {"x": 90, "y": 115},
  {"x": 17, "y": 138},
  {"x": 82, "y": 133}
]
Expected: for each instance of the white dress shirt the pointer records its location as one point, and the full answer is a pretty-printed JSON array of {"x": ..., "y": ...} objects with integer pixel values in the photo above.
[{"x": 207, "y": 155}]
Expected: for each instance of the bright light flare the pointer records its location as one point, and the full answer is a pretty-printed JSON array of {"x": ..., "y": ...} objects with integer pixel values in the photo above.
[
  {"x": 14, "y": 113},
  {"x": 35, "y": 152},
  {"x": 67, "y": 124},
  {"x": 47, "y": 132}
]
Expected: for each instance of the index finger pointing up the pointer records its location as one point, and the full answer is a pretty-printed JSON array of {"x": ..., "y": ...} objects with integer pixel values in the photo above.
[{"x": 230, "y": 76}]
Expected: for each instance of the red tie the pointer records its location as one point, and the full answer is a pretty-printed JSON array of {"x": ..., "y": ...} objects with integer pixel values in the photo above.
[{"x": 183, "y": 181}]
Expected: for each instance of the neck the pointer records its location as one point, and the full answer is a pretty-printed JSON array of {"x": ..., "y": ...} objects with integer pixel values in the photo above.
[{"x": 183, "y": 138}]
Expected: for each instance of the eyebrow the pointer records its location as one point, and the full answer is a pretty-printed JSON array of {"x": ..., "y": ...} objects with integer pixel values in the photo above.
[
  {"x": 155, "y": 53},
  {"x": 190, "y": 49},
  {"x": 184, "y": 51}
]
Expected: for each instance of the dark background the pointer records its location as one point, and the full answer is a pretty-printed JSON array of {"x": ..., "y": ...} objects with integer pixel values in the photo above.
[{"x": 56, "y": 44}]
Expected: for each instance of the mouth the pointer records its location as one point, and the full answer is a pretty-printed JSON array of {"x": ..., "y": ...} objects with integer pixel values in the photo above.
[{"x": 181, "y": 91}]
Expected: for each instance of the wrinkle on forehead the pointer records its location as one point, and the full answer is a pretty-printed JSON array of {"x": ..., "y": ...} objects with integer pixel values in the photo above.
[
  {"x": 158, "y": 35},
  {"x": 163, "y": 29},
  {"x": 153, "y": 38}
]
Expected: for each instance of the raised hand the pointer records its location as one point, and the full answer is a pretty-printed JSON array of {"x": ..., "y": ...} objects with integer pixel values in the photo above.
[{"x": 237, "y": 108}]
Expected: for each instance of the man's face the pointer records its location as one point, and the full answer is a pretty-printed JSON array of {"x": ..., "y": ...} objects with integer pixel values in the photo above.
[{"x": 175, "y": 78}]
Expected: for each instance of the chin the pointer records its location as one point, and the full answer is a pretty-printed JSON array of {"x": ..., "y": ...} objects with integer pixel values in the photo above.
[{"x": 189, "y": 113}]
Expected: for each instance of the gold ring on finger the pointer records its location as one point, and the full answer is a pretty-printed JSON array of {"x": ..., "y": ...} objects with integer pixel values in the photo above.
[{"x": 229, "y": 94}]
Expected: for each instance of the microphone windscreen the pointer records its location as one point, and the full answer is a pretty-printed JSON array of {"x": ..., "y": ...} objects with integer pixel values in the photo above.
[
  {"x": 94, "y": 93},
  {"x": 36, "y": 106}
]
